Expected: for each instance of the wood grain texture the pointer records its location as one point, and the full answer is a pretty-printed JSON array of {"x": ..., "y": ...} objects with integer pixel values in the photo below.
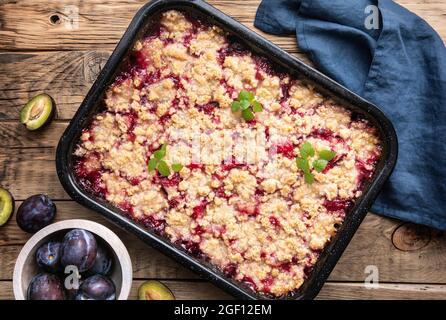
[
  {"x": 101, "y": 23},
  {"x": 28, "y": 171},
  {"x": 99, "y": 26},
  {"x": 385, "y": 291},
  {"x": 65, "y": 75},
  {"x": 371, "y": 245},
  {"x": 37, "y": 55},
  {"x": 199, "y": 290},
  {"x": 14, "y": 135}
]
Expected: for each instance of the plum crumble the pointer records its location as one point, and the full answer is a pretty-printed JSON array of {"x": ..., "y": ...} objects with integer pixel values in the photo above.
[{"x": 237, "y": 198}]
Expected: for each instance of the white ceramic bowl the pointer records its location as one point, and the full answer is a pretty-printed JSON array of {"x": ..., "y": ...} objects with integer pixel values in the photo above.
[{"x": 26, "y": 266}]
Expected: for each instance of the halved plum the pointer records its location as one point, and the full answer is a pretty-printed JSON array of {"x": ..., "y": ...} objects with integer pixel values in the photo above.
[
  {"x": 6, "y": 206},
  {"x": 38, "y": 112},
  {"x": 154, "y": 290}
]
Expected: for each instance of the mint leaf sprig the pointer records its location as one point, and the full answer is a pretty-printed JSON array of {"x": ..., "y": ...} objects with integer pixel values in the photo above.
[
  {"x": 302, "y": 162},
  {"x": 157, "y": 162},
  {"x": 247, "y": 104}
]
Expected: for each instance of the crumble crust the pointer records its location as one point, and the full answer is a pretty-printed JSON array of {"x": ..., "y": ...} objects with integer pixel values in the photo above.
[{"x": 254, "y": 218}]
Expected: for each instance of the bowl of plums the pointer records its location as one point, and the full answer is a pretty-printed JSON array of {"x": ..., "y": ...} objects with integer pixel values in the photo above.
[{"x": 73, "y": 260}]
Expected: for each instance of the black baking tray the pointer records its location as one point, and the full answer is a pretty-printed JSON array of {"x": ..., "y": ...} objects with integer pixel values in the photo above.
[{"x": 92, "y": 104}]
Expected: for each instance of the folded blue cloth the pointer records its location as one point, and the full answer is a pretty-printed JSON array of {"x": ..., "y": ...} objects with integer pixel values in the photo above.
[{"x": 400, "y": 67}]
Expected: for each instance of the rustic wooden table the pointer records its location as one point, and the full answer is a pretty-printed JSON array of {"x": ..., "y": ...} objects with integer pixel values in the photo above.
[{"x": 42, "y": 49}]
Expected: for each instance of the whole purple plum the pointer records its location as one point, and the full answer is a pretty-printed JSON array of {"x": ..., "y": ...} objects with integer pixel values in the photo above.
[
  {"x": 35, "y": 213},
  {"x": 79, "y": 248},
  {"x": 46, "y": 286},
  {"x": 97, "y": 287},
  {"x": 103, "y": 262},
  {"x": 48, "y": 256}
]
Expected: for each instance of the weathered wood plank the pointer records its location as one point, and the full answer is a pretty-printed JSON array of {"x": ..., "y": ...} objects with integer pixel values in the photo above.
[
  {"x": 372, "y": 245},
  {"x": 14, "y": 135},
  {"x": 28, "y": 171},
  {"x": 385, "y": 291},
  {"x": 100, "y": 24},
  {"x": 187, "y": 290},
  {"x": 6, "y": 292},
  {"x": 66, "y": 76},
  {"x": 402, "y": 253}
]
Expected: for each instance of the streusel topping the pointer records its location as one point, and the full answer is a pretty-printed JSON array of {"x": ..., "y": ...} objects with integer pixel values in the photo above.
[{"x": 239, "y": 200}]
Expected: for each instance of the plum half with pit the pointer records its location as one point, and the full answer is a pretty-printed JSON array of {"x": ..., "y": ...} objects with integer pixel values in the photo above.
[
  {"x": 38, "y": 112},
  {"x": 97, "y": 287},
  {"x": 46, "y": 286},
  {"x": 154, "y": 290},
  {"x": 79, "y": 248},
  {"x": 48, "y": 256},
  {"x": 6, "y": 206},
  {"x": 35, "y": 213},
  {"x": 102, "y": 263}
]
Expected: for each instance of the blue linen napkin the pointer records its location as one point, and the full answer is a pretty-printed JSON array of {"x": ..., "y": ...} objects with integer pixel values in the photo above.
[{"x": 400, "y": 67}]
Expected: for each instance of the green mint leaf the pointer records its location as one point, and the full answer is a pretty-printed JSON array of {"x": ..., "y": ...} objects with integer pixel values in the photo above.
[
  {"x": 320, "y": 164},
  {"x": 247, "y": 114},
  {"x": 176, "y": 167},
  {"x": 161, "y": 153},
  {"x": 327, "y": 154},
  {"x": 306, "y": 150},
  {"x": 163, "y": 168},
  {"x": 245, "y": 95},
  {"x": 244, "y": 104},
  {"x": 152, "y": 164},
  {"x": 235, "y": 106},
  {"x": 303, "y": 164},
  {"x": 309, "y": 178},
  {"x": 257, "y": 106}
]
